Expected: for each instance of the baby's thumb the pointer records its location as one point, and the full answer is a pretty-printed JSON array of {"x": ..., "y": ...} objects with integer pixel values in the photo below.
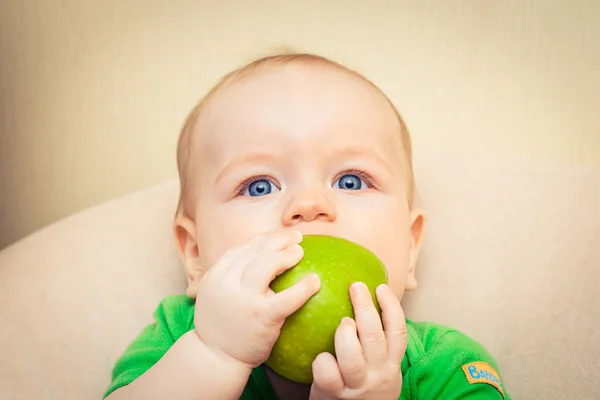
[{"x": 327, "y": 378}]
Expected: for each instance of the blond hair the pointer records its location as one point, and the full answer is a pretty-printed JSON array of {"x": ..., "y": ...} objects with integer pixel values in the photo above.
[{"x": 184, "y": 144}]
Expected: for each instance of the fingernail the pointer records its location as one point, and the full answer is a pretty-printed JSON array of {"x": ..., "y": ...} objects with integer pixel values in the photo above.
[
  {"x": 381, "y": 288},
  {"x": 356, "y": 287},
  {"x": 347, "y": 321},
  {"x": 298, "y": 236},
  {"x": 314, "y": 279}
]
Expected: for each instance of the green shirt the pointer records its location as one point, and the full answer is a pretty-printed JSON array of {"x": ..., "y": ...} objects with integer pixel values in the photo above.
[{"x": 439, "y": 363}]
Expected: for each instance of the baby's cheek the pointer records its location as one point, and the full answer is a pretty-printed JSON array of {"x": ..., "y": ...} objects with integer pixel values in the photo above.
[
  {"x": 397, "y": 283},
  {"x": 223, "y": 231},
  {"x": 394, "y": 252}
]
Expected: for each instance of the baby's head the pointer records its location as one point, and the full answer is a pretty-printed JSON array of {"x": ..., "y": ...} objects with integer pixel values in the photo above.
[{"x": 297, "y": 141}]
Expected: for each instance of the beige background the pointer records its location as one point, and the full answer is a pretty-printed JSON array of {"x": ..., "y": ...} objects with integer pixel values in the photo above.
[{"x": 93, "y": 92}]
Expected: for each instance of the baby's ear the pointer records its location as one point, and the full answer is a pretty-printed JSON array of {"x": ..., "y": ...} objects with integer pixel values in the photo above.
[
  {"x": 185, "y": 238},
  {"x": 417, "y": 226}
]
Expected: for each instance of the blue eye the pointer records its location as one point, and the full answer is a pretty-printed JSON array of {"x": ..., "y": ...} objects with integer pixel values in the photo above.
[
  {"x": 260, "y": 187},
  {"x": 349, "y": 182}
]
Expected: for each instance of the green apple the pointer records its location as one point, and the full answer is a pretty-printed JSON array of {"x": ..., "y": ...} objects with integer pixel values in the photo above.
[{"x": 310, "y": 330}]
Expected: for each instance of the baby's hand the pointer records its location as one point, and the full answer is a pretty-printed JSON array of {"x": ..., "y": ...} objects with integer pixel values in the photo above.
[
  {"x": 368, "y": 365},
  {"x": 237, "y": 315}
]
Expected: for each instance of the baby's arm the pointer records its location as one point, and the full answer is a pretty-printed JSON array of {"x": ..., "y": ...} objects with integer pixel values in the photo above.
[
  {"x": 237, "y": 320},
  {"x": 189, "y": 370}
]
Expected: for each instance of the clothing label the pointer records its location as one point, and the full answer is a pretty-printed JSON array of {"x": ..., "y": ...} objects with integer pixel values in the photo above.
[{"x": 482, "y": 372}]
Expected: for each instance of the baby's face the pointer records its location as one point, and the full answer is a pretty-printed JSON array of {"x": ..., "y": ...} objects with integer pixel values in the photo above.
[{"x": 306, "y": 147}]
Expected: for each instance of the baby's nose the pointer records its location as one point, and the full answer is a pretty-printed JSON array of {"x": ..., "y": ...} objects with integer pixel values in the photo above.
[{"x": 309, "y": 205}]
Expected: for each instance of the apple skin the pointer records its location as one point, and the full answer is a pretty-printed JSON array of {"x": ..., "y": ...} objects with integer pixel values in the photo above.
[{"x": 310, "y": 330}]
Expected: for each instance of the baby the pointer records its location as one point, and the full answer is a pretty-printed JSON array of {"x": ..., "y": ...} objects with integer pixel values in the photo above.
[{"x": 286, "y": 146}]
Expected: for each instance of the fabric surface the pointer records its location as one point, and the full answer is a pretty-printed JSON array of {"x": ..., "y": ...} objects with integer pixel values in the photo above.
[
  {"x": 511, "y": 257},
  {"x": 440, "y": 363}
]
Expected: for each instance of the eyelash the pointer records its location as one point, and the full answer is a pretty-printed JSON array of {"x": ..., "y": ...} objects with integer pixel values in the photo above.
[
  {"x": 362, "y": 174},
  {"x": 353, "y": 171},
  {"x": 249, "y": 181}
]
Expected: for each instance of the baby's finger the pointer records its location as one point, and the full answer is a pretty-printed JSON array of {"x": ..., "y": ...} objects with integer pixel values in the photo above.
[
  {"x": 327, "y": 379},
  {"x": 368, "y": 322},
  {"x": 260, "y": 271},
  {"x": 349, "y": 354},
  {"x": 286, "y": 302},
  {"x": 260, "y": 244},
  {"x": 394, "y": 323},
  {"x": 274, "y": 241}
]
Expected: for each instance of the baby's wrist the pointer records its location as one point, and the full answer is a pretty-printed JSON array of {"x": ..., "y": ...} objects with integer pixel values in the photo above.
[{"x": 221, "y": 359}]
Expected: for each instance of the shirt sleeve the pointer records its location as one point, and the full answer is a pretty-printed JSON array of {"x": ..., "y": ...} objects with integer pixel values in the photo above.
[
  {"x": 455, "y": 367},
  {"x": 171, "y": 320}
]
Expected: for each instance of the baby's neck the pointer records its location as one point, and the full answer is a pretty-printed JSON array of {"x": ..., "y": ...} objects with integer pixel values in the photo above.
[{"x": 285, "y": 389}]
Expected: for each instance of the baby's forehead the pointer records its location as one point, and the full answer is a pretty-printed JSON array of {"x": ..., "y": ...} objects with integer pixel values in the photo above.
[
  {"x": 315, "y": 87},
  {"x": 267, "y": 103}
]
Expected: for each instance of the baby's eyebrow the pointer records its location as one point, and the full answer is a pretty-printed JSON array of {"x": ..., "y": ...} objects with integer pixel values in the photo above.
[
  {"x": 248, "y": 158},
  {"x": 272, "y": 158},
  {"x": 360, "y": 151}
]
